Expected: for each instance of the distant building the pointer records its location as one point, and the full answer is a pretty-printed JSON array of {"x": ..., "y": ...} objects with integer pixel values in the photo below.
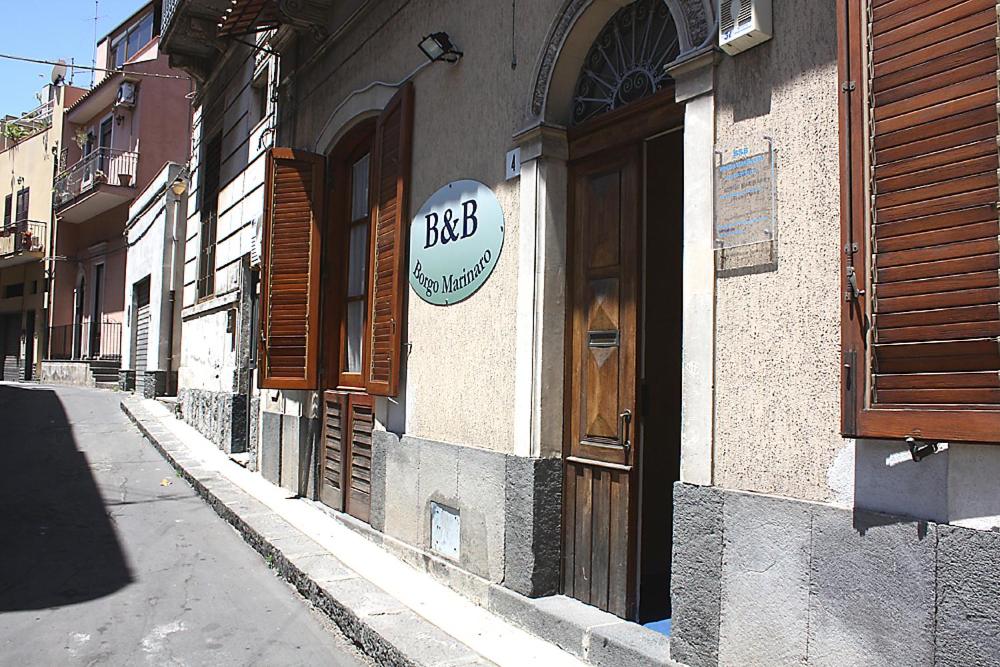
[
  {"x": 115, "y": 141},
  {"x": 29, "y": 145}
]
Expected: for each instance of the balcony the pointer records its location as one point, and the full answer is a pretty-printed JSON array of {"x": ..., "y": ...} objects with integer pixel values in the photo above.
[
  {"x": 22, "y": 242},
  {"x": 99, "y": 182},
  {"x": 14, "y": 130},
  {"x": 188, "y": 34},
  {"x": 194, "y": 31}
]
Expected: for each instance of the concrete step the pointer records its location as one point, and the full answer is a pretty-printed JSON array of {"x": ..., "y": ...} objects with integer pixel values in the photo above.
[{"x": 107, "y": 385}]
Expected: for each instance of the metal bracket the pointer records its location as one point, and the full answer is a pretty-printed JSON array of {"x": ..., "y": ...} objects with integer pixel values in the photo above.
[
  {"x": 852, "y": 281},
  {"x": 921, "y": 449},
  {"x": 848, "y": 86}
]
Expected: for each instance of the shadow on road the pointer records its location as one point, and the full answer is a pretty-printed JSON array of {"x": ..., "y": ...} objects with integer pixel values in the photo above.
[{"x": 58, "y": 544}]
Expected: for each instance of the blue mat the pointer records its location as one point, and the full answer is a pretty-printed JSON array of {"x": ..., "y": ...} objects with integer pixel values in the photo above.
[{"x": 663, "y": 627}]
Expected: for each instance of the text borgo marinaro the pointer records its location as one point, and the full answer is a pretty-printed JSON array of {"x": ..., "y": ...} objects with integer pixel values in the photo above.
[{"x": 443, "y": 230}]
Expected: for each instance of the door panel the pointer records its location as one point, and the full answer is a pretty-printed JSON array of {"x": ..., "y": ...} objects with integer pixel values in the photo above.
[
  {"x": 599, "y": 533},
  {"x": 331, "y": 492},
  {"x": 359, "y": 502},
  {"x": 348, "y": 422}
]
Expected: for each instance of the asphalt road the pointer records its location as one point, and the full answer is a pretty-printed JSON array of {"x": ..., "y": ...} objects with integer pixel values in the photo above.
[{"x": 108, "y": 558}]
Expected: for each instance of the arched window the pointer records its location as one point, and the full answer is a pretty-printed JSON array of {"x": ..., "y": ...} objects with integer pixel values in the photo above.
[{"x": 626, "y": 62}]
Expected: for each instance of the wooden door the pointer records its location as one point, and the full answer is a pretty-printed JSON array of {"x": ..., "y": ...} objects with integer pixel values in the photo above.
[
  {"x": 142, "y": 320},
  {"x": 348, "y": 422},
  {"x": 601, "y": 477}
]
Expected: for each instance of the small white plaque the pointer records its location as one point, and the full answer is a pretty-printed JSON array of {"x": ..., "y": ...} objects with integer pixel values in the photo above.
[
  {"x": 513, "y": 163},
  {"x": 446, "y": 530}
]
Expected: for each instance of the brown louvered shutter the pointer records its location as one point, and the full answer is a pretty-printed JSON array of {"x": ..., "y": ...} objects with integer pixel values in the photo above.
[
  {"x": 332, "y": 490},
  {"x": 387, "y": 281},
  {"x": 348, "y": 424},
  {"x": 922, "y": 345},
  {"x": 362, "y": 424},
  {"x": 289, "y": 333}
]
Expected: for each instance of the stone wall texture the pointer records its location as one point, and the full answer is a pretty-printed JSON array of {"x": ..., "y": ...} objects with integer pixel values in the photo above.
[
  {"x": 510, "y": 529},
  {"x": 762, "y": 580},
  {"x": 220, "y": 417}
]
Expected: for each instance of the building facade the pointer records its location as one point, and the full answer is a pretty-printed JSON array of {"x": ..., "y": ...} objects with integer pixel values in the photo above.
[
  {"x": 154, "y": 271},
  {"x": 115, "y": 141},
  {"x": 233, "y": 129},
  {"x": 708, "y": 337},
  {"x": 30, "y": 144}
]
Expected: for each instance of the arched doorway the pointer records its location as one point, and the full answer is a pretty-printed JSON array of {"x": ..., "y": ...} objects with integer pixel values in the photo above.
[{"x": 623, "y": 388}]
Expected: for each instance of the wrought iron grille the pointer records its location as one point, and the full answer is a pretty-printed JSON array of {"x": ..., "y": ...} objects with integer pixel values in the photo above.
[
  {"x": 169, "y": 9},
  {"x": 22, "y": 236},
  {"x": 103, "y": 165},
  {"x": 626, "y": 62}
]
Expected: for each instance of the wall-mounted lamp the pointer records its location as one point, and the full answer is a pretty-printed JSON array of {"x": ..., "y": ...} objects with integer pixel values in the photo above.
[
  {"x": 179, "y": 186},
  {"x": 438, "y": 47}
]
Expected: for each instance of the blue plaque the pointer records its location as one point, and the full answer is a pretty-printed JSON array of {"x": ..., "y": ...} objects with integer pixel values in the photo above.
[{"x": 455, "y": 242}]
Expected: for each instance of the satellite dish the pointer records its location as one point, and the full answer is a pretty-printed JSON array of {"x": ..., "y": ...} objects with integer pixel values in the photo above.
[{"x": 59, "y": 72}]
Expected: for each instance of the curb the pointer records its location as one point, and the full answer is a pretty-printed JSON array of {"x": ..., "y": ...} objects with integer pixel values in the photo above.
[{"x": 383, "y": 628}]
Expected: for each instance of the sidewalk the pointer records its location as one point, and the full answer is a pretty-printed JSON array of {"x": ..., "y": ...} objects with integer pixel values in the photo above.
[{"x": 395, "y": 613}]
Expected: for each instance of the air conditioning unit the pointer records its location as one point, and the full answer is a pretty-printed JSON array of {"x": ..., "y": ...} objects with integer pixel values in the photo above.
[
  {"x": 743, "y": 24},
  {"x": 126, "y": 95}
]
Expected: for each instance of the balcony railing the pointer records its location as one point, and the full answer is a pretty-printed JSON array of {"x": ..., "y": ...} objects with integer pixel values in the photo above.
[
  {"x": 23, "y": 236},
  {"x": 13, "y": 130},
  {"x": 169, "y": 9},
  {"x": 103, "y": 165},
  {"x": 92, "y": 340}
]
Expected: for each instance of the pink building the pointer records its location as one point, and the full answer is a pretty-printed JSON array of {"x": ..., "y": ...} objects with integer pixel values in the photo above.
[{"x": 115, "y": 140}]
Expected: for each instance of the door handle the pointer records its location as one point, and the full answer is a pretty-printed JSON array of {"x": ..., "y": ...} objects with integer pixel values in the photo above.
[{"x": 625, "y": 430}]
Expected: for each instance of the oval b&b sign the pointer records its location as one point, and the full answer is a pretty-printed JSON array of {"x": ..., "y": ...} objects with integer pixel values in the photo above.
[{"x": 455, "y": 242}]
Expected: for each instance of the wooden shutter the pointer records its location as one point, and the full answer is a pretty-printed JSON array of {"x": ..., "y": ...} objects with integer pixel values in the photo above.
[
  {"x": 387, "y": 275},
  {"x": 919, "y": 119},
  {"x": 332, "y": 489},
  {"x": 289, "y": 327},
  {"x": 362, "y": 425},
  {"x": 22, "y": 204},
  {"x": 348, "y": 423}
]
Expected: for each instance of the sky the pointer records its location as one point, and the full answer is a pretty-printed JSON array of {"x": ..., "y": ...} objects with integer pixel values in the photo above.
[{"x": 50, "y": 30}]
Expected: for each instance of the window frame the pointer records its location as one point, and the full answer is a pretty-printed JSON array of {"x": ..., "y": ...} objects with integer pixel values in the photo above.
[
  {"x": 858, "y": 418},
  {"x": 23, "y": 195},
  {"x": 209, "y": 218},
  {"x": 122, "y": 40},
  {"x": 357, "y": 142}
]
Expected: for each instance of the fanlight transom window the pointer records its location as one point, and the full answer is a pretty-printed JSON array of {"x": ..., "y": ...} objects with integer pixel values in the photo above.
[{"x": 626, "y": 62}]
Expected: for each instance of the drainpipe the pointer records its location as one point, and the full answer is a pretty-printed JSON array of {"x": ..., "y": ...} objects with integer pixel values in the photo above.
[{"x": 179, "y": 189}]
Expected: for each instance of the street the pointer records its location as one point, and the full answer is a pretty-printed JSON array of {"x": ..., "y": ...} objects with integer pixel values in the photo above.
[{"x": 109, "y": 558}]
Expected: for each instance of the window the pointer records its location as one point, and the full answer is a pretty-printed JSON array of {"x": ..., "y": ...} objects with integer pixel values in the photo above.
[
  {"x": 13, "y": 291},
  {"x": 8, "y": 203},
  {"x": 258, "y": 90},
  {"x": 921, "y": 290},
  {"x": 127, "y": 45},
  {"x": 362, "y": 320},
  {"x": 210, "y": 166},
  {"x": 22, "y": 205},
  {"x": 356, "y": 269}
]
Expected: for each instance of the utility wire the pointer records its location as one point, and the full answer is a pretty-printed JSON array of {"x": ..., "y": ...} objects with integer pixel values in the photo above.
[{"x": 92, "y": 69}]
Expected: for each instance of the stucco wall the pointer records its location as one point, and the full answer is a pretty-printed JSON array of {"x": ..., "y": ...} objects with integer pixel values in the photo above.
[
  {"x": 481, "y": 100},
  {"x": 212, "y": 356},
  {"x": 777, "y": 330}
]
